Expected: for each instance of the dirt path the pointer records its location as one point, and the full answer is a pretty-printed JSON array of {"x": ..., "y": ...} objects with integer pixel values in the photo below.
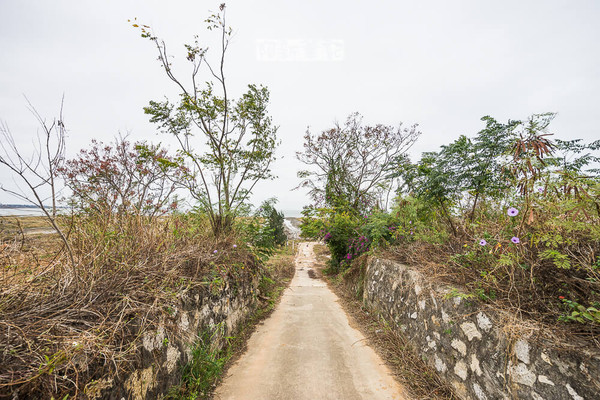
[{"x": 307, "y": 350}]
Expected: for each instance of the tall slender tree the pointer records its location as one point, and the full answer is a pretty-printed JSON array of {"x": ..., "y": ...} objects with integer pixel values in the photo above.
[{"x": 227, "y": 144}]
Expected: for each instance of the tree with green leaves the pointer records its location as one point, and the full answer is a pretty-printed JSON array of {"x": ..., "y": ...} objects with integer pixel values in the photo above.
[
  {"x": 432, "y": 180},
  {"x": 273, "y": 223},
  {"x": 468, "y": 168},
  {"x": 227, "y": 144},
  {"x": 478, "y": 164}
]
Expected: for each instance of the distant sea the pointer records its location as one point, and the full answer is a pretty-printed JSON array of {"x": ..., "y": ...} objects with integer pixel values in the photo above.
[
  {"x": 20, "y": 211},
  {"x": 17, "y": 209},
  {"x": 292, "y": 213}
]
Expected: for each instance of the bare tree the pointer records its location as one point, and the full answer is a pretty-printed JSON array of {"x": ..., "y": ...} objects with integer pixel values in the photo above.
[
  {"x": 350, "y": 165},
  {"x": 38, "y": 170}
]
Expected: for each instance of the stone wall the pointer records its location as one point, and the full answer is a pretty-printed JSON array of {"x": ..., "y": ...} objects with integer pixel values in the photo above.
[
  {"x": 161, "y": 353},
  {"x": 474, "y": 348}
]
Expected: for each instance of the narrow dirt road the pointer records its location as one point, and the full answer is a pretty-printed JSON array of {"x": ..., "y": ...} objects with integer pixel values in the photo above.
[{"x": 307, "y": 350}]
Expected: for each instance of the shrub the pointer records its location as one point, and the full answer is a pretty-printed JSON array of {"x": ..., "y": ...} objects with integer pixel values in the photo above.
[
  {"x": 340, "y": 229},
  {"x": 119, "y": 178},
  {"x": 264, "y": 230}
]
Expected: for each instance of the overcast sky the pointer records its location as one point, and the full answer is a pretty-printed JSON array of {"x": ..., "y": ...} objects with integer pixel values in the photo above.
[{"x": 441, "y": 64}]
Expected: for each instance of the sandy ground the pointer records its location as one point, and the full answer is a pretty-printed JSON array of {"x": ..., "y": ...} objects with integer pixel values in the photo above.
[{"x": 308, "y": 350}]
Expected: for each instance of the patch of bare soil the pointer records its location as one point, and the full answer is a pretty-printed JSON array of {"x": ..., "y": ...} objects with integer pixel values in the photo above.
[{"x": 407, "y": 366}]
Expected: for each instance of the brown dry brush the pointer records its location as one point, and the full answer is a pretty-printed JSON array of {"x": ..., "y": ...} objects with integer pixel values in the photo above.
[
  {"x": 529, "y": 285},
  {"x": 63, "y": 328}
]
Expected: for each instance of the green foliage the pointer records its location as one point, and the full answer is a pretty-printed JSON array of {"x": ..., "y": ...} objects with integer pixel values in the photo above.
[
  {"x": 580, "y": 313},
  {"x": 415, "y": 220},
  {"x": 509, "y": 214},
  {"x": 228, "y": 145},
  {"x": 380, "y": 228},
  {"x": 339, "y": 230},
  {"x": 457, "y": 293},
  {"x": 466, "y": 168},
  {"x": 274, "y": 233},
  {"x": 559, "y": 259},
  {"x": 204, "y": 368},
  {"x": 264, "y": 230},
  {"x": 313, "y": 222}
]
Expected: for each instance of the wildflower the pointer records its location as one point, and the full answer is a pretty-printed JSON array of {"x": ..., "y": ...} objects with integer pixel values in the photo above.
[
  {"x": 515, "y": 240},
  {"x": 465, "y": 245},
  {"x": 540, "y": 189},
  {"x": 482, "y": 242},
  {"x": 215, "y": 252},
  {"x": 235, "y": 246},
  {"x": 561, "y": 297},
  {"x": 75, "y": 344},
  {"x": 512, "y": 212},
  {"x": 348, "y": 256}
]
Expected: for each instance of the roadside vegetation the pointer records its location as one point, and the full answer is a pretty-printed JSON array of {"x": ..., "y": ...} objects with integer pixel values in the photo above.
[
  {"x": 75, "y": 302},
  {"x": 208, "y": 365},
  {"x": 509, "y": 217}
]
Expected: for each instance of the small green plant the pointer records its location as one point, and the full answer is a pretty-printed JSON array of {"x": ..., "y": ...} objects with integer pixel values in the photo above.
[
  {"x": 204, "y": 368},
  {"x": 216, "y": 285},
  {"x": 456, "y": 293},
  {"x": 580, "y": 313},
  {"x": 485, "y": 295},
  {"x": 52, "y": 362}
]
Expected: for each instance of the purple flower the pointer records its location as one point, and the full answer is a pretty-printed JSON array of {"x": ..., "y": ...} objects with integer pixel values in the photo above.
[
  {"x": 348, "y": 256},
  {"x": 234, "y": 246},
  {"x": 540, "y": 189},
  {"x": 512, "y": 212},
  {"x": 215, "y": 252},
  {"x": 515, "y": 240},
  {"x": 482, "y": 242}
]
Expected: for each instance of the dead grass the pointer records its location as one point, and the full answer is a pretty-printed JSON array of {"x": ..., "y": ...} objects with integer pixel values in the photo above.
[
  {"x": 63, "y": 326},
  {"x": 529, "y": 296}
]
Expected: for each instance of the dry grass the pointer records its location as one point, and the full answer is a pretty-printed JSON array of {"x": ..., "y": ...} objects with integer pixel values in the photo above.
[
  {"x": 63, "y": 326},
  {"x": 528, "y": 295},
  {"x": 281, "y": 266}
]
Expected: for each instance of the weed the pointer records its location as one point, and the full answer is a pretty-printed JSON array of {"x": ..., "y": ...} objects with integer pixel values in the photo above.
[{"x": 204, "y": 368}]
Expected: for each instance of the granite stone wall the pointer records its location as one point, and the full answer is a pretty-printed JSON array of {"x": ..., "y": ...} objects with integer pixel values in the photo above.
[
  {"x": 155, "y": 367},
  {"x": 479, "y": 351}
]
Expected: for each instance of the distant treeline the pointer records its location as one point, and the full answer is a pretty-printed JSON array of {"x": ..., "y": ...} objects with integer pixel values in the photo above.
[{"x": 18, "y": 206}]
